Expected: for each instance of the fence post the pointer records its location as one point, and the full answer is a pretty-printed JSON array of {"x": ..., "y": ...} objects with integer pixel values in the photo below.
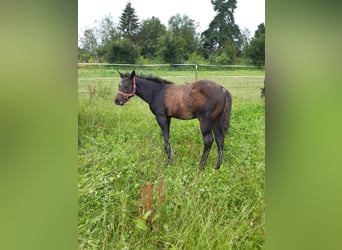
[{"x": 196, "y": 66}]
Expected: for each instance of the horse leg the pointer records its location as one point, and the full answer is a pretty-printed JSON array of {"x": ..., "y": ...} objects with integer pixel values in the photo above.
[
  {"x": 219, "y": 138},
  {"x": 164, "y": 123},
  {"x": 207, "y": 140}
]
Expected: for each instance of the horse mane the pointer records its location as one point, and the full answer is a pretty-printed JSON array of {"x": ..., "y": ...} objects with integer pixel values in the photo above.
[
  {"x": 155, "y": 79},
  {"x": 151, "y": 78}
]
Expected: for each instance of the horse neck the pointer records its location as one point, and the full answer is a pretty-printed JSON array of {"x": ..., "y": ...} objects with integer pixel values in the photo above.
[{"x": 146, "y": 89}]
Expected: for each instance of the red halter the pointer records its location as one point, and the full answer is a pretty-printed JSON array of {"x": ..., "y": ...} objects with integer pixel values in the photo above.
[{"x": 127, "y": 96}]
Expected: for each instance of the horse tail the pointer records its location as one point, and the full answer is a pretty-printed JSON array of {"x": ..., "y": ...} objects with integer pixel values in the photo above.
[{"x": 225, "y": 116}]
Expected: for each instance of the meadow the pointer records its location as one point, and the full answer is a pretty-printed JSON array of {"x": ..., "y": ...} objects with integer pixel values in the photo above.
[{"x": 130, "y": 199}]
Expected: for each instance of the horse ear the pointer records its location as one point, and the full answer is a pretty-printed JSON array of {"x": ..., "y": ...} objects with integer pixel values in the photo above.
[
  {"x": 132, "y": 74},
  {"x": 121, "y": 75}
]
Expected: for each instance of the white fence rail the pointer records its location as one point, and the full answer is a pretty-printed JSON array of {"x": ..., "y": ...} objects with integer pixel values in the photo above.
[
  {"x": 192, "y": 67},
  {"x": 165, "y": 65}
]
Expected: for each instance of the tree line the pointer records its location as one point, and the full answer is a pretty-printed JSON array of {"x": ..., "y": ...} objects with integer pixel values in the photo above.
[{"x": 150, "y": 41}]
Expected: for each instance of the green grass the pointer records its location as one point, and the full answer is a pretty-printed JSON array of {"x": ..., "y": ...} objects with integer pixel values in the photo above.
[{"x": 122, "y": 150}]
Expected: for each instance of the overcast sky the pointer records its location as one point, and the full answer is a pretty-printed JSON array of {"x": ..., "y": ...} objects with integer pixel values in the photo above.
[{"x": 249, "y": 13}]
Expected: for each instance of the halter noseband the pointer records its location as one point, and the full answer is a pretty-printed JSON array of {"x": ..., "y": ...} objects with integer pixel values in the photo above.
[{"x": 127, "y": 96}]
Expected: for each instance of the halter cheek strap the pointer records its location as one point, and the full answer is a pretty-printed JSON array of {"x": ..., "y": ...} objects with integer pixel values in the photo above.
[{"x": 128, "y": 95}]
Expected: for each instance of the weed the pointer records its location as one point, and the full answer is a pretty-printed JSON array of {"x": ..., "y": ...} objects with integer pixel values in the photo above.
[
  {"x": 148, "y": 212},
  {"x": 145, "y": 204}
]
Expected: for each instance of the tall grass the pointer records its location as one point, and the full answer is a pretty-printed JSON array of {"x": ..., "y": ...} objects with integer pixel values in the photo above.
[{"x": 130, "y": 199}]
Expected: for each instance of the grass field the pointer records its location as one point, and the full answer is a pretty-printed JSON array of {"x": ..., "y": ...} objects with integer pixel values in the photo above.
[{"x": 129, "y": 198}]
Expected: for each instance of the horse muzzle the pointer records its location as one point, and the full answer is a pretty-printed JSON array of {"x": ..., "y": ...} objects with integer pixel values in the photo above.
[{"x": 120, "y": 100}]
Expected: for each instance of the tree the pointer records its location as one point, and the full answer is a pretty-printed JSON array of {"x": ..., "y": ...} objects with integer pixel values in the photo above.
[
  {"x": 121, "y": 51},
  {"x": 106, "y": 30},
  {"x": 260, "y": 30},
  {"x": 83, "y": 56},
  {"x": 256, "y": 49},
  {"x": 245, "y": 39},
  {"x": 89, "y": 43},
  {"x": 222, "y": 29},
  {"x": 151, "y": 29},
  {"x": 180, "y": 42},
  {"x": 184, "y": 28},
  {"x": 129, "y": 22},
  {"x": 171, "y": 49}
]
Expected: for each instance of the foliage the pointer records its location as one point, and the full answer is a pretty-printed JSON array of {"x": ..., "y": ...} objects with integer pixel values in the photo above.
[
  {"x": 226, "y": 55},
  {"x": 260, "y": 30},
  {"x": 83, "y": 55},
  {"x": 222, "y": 28},
  {"x": 195, "y": 58},
  {"x": 122, "y": 51},
  {"x": 171, "y": 49},
  {"x": 129, "y": 22},
  {"x": 177, "y": 45},
  {"x": 150, "y": 30},
  {"x": 107, "y": 30},
  {"x": 221, "y": 43},
  {"x": 256, "y": 50},
  {"x": 182, "y": 27},
  {"x": 129, "y": 199},
  {"x": 89, "y": 43}
]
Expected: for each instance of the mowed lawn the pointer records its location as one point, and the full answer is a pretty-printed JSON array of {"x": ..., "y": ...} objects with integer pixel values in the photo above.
[{"x": 129, "y": 198}]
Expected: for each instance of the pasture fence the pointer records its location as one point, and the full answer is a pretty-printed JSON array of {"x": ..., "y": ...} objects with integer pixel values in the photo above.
[
  {"x": 162, "y": 67},
  {"x": 246, "y": 76}
]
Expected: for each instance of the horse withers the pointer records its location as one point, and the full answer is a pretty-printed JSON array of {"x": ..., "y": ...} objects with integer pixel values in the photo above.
[{"x": 205, "y": 100}]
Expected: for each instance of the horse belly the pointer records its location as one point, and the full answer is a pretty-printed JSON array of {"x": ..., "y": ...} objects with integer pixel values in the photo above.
[{"x": 178, "y": 102}]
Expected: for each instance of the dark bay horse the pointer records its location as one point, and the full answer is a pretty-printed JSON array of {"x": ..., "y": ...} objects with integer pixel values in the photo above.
[{"x": 205, "y": 100}]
